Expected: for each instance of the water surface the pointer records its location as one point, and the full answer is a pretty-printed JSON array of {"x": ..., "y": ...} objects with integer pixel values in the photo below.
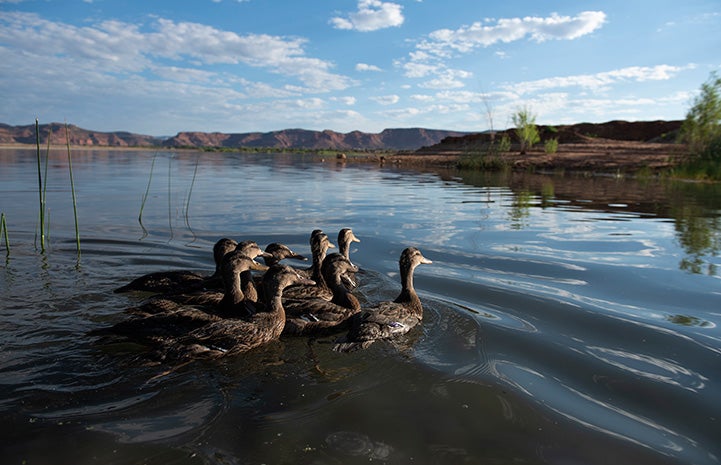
[{"x": 567, "y": 319}]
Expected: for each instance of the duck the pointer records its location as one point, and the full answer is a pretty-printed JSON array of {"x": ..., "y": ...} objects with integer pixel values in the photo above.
[
  {"x": 345, "y": 239},
  {"x": 280, "y": 252},
  {"x": 181, "y": 280},
  {"x": 319, "y": 316},
  {"x": 319, "y": 244},
  {"x": 231, "y": 336},
  {"x": 388, "y": 319},
  {"x": 167, "y": 320},
  {"x": 212, "y": 297}
]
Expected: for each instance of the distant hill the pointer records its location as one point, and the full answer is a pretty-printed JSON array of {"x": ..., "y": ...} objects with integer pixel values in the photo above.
[
  {"x": 633, "y": 131},
  {"x": 78, "y": 136},
  {"x": 388, "y": 139}
]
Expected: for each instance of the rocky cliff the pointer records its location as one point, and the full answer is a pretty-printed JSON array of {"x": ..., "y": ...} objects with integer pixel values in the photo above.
[{"x": 389, "y": 139}]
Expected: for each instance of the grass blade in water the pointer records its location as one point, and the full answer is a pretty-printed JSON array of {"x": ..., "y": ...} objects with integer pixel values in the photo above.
[
  {"x": 40, "y": 189},
  {"x": 72, "y": 190},
  {"x": 145, "y": 197},
  {"x": 4, "y": 230}
]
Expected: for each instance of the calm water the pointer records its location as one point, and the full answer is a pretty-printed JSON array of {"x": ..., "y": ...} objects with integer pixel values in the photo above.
[{"x": 567, "y": 320}]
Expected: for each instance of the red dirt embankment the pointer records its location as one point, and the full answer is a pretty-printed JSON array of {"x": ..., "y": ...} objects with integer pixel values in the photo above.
[{"x": 605, "y": 147}]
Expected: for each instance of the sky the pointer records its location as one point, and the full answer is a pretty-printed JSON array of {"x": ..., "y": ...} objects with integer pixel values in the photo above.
[{"x": 160, "y": 67}]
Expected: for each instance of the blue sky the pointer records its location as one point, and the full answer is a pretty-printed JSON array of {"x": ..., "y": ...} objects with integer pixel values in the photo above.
[{"x": 162, "y": 66}]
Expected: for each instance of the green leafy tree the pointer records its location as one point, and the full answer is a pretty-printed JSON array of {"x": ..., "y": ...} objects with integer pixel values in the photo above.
[
  {"x": 701, "y": 129},
  {"x": 526, "y": 129}
]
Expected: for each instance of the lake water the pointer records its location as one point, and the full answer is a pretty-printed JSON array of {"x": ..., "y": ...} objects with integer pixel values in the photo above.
[{"x": 568, "y": 320}]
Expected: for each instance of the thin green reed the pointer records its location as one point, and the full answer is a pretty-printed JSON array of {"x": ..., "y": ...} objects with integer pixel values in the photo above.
[
  {"x": 187, "y": 202},
  {"x": 4, "y": 228},
  {"x": 72, "y": 190},
  {"x": 190, "y": 192},
  {"x": 170, "y": 221},
  {"x": 145, "y": 197},
  {"x": 45, "y": 187},
  {"x": 40, "y": 188}
]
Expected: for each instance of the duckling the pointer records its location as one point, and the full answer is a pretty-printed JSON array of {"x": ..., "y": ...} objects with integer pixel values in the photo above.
[
  {"x": 388, "y": 319},
  {"x": 181, "y": 280},
  {"x": 234, "y": 335},
  {"x": 315, "y": 315},
  {"x": 319, "y": 244},
  {"x": 166, "y": 322}
]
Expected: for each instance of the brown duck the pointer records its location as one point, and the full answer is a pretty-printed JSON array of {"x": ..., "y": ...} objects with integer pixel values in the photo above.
[
  {"x": 388, "y": 319},
  {"x": 316, "y": 315},
  {"x": 181, "y": 280}
]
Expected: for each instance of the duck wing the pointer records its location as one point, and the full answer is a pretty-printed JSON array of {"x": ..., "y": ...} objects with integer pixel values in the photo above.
[
  {"x": 166, "y": 281},
  {"x": 315, "y": 316},
  {"x": 386, "y": 320}
]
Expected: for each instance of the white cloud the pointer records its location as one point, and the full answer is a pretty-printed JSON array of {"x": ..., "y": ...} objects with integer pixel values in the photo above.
[
  {"x": 371, "y": 16},
  {"x": 118, "y": 47},
  {"x": 386, "y": 99},
  {"x": 447, "y": 79},
  {"x": 344, "y": 100},
  {"x": 431, "y": 53},
  {"x": 601, "y": 80},
  {"x": 464, "y": 39},
  {"x": 366, "y": 67}
]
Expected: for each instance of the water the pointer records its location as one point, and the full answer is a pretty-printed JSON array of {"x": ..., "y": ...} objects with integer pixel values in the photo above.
[{"x": 567, "y": 320}]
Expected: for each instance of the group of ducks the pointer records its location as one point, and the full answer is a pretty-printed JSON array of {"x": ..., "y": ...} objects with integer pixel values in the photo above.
[{"x": 237, "y": 308}]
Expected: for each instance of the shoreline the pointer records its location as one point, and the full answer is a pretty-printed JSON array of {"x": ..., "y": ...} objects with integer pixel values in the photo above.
[{"x": 601, "y": 155}]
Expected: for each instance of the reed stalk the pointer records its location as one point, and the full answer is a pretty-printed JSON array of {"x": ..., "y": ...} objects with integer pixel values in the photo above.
[
  {"x": 145, "y": 197},
  {"x": 190, "y": 192},
  {"x": 4, "y": 229},
  {"x": 40, "y": 189},
  {"x": 72, "y": 190},
  {"x": 170, "y": 209}
]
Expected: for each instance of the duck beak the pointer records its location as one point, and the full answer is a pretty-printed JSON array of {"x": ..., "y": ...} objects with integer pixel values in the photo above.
[
  {"x": 354, "y": 239},
  {"x": 349, "y": 281},
  {"x": 426, "y": 261},
  {"x": 330, "y": 245},
  {"x": 296, "y": 256},
  {"x": 257, "y": 266},
  {"x": 265, "y": 255}
]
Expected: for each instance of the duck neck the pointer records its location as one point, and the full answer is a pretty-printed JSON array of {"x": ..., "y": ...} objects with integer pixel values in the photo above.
[
  {"x": 344, "y": 249},
  {"x": 342, "y": 297},
  {"x": 247, "y": 286},
  {"x": 233, "y": 291},
  {"x": 408, "y": 293},
  {"x": 274, "y": 314},
  {"x": 315, "y": 273}
]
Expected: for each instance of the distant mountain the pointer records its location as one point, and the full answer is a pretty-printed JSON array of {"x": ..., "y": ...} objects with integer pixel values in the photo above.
[
  {"x": 77, "y": 136},
  {"x": 388, "y": 139}
]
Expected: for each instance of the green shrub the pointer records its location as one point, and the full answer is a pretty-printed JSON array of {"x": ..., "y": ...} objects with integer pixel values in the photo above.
[
  {"x": 551, "y": 145},
  {"x": 504, "y": 144},
  {"x": 701, "y": 129},
  {"x": 526, "y": 129}
]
